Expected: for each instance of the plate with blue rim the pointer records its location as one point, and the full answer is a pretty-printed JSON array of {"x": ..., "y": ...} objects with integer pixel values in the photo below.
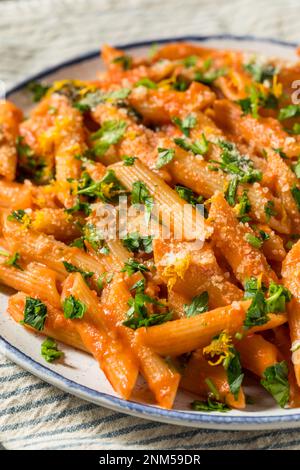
[{"x": 78, "y": 373}]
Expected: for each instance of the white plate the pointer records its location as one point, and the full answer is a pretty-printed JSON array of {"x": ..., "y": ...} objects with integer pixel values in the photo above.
[{"x": 79, "y": 373}]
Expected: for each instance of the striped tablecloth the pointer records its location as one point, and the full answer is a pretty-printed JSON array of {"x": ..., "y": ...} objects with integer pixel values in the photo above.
[{"x": 39, "y": 33}]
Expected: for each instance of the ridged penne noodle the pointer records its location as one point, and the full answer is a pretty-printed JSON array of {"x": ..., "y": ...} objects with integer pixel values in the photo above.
[
  {"x": 170, "y": 205},
  {"x": 56, "y": 325},
  {"x": 115, "y": 359},
  {"x": 187, "y": 334},
  {"x": 56, "y": 222},
  {"x": 15, "y": 195},
  {"x": 257, "y": 353},
  {"x": 159, "y": 376},
  {"x": 28, "y": 280},
  {"x": 198, "y": 371},
  {"x": 230, "y": 236},
  {"x": 45, "y": 249}
]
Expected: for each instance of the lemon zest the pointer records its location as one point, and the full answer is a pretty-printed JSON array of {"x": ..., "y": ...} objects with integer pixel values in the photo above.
[{"x": 219, "y": 348}]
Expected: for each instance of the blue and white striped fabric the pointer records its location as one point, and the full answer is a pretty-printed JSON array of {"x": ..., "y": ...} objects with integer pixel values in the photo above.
[
  {"x": 35, "y": 415},
  {"x": 35, "y": 34}
]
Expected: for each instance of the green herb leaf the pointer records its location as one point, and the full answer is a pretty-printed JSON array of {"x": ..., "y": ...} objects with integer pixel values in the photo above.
[
  {"x": 244, "y": 207},
  {"x": 138, "y": 316},
  {"x": 186, "y": 124},
  {"x": 275, "y": 381},
  {"x": 49, "y": 350},
  {"x": 35, "y": 313},
  {"x": 256, "y": 313},
  {"x": 73, "y": 269},
  {"x": 253, "y": 240},
  {"x": 278, "y": 296},
  {"x": 292, "y": 110},
  {"x": 209, "y": 76},
  {"x": 128, "y": 160},
  {"x": 210, "y": 405},
  {"x": 80, "y": 206},
  {"x": 233, "y": 162},
  {"x": 261, "y": 72},
  {"x": 231, "y": 190},
  {"x": 165, "y": 156},
  {"x": 108, "y": 189},
  {"x": 199, "y": 305},
  {"x": 234, "y": 373},
  {"x": 73, "y": 308},
  {"x": 190, "y": 61},
  {"x": 141, "y": 195},
  {"x": 134, "y": 242},
  {"x": 188, "y": 195},
  {"x": 92, "y": 99},
  {"x": 198, "y": 147},
  {"x": 13, "y": 261},
  {"x": 132, "y": 266},
  {"x": 269, "y": 210},
  {"x": 110, "y": 133},
  {"x": 296, "y": 168},
  {"x": 38, "y": 90},
  {"x": 124, "y": 60},
  {"x": 296, "y": 195},
  {"x": 147, "y": 83}
]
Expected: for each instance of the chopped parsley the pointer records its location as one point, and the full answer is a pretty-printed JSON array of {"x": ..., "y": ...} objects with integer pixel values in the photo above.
[
  {"x": 210, "y": 405},
  {"x": 209, "y": 76},
  {"x": 275, "y": 381},
  {"x": 49, "y": 350},
  {"x": 38, "y": 90},
  {"x": 110, "y": 133},
  {"x": 278, "y": 296},
  {"x": 165, "y": 156},
  {"x": 134, "y": 242},
  {"x": 73, "y": 308},
  {"x": 290, "y": 111},
  {"x": 35, "y": 313},
  {"x": 132, "y": 266},
  {"x": 198, "y": 305},
  {"x": 108, "y": 189},
  {"x": 254, "y": 241},
  {"x": 124, "y": 60},
  {"x": 256, "y": 313},
  {"x": 29, "y": 165},
  {"x": 296, "y": 168},
  {"x": 198, "y": 147},
  {"x": 141, "y": 195},
  {"x": 20, "y": 216},
  {"x": 147, "y": 83},
  {"x": 260, "y": 72},
  {"x": 186, "y": 124},
  {"x": 256, "y": 100},
  {"x": 80, "y": 206},
  {"x": 12, "y": 260},
  {"x": 234, "y": 372},
  {"x": 244, "y": 207},
  {"x": 188, "y": 195},
  {"x": 139, "y": 286},
  {"x": 231, "y": 190},
  {"x": 190, "y": 61},
  {"x": 128, "y": 160},
  {"x": 264, "y": 301},
  {"x": 269, "y": 210},
  {"x": 180, "y": 83},
  {"x": 73, "y": 269},
  {"x": 296, "y": 195},
  {"x": 94, "y": 98},
  {"x": 233, "y": 162},
  {"x": 138, "y": 315}
]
